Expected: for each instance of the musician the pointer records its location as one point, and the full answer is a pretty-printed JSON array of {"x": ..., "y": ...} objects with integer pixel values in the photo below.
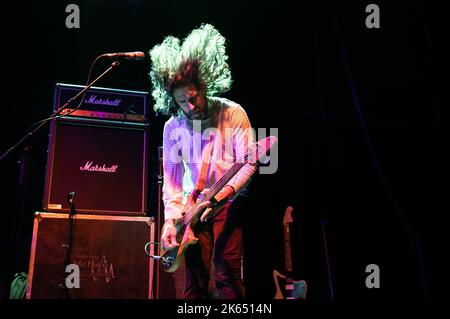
[{"x": 187, "y": 78}]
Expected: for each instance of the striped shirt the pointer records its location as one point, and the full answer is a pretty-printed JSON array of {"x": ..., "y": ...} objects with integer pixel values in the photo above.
[{"x": 228, "y": 129}]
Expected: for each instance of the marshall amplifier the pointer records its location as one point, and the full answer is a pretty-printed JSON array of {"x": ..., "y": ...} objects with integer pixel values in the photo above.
[
  {"x": 104, "y": 163},
  {"x": 106, "y": 258},
  {"x": 102, "y": 103}
]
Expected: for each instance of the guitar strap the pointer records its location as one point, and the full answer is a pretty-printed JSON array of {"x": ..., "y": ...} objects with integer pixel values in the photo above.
[{"x": 206, "y": 156}]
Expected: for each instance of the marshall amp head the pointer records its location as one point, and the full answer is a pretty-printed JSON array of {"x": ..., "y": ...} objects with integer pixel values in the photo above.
[
  {"x": 104, "y": 163},
  {"x": 102, "y": 103}
]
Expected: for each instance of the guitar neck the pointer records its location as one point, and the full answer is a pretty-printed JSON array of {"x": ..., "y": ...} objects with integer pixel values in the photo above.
[
  {"x": 287, "y": 249},
  {"x": 213, "y": 190},
  {"x": 254, "y": 154},
  {"x": 223, "y": 181}
]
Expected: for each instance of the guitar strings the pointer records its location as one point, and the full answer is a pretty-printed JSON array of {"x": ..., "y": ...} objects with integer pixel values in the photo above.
[
  {"x": 217, "y": 186},
  {"x": 189, "y": 215},
  {"x": 185, "y": 219}
]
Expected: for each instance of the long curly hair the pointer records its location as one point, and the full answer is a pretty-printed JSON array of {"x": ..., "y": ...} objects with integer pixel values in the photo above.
[{"x": 200, "y": 60}]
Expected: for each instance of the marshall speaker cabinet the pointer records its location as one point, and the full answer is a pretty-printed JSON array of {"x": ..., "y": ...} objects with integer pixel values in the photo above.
[
  {"x": 98, "y": 154},
  {"x": 106, "y": 258}
]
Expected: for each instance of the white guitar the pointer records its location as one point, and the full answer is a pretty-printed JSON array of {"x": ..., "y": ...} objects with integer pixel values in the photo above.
[{"x": 292, "y": 289}]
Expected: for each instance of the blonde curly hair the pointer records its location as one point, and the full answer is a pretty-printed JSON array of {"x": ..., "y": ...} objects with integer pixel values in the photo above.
[{"x": 200, "y": 60}]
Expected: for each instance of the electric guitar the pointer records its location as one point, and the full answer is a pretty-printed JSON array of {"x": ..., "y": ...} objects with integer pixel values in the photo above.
[
  {"x": 171, "y": 259},
  {"x": 292, "y": 289}
]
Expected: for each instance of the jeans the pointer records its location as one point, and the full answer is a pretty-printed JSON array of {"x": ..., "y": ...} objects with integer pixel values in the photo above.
[{"x": 219, "y": 239}]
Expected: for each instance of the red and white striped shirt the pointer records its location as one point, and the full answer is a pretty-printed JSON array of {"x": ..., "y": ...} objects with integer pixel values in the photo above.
[{"x": 184, "y": 140}]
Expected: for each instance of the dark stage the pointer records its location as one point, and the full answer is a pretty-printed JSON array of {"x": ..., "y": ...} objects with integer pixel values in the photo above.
[{"x": 361, "y": 113}]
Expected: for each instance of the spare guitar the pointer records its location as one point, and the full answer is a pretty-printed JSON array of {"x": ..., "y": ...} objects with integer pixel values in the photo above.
[
  {"x": 171, "y": 259},
  {"x": 292, "y": 289}
]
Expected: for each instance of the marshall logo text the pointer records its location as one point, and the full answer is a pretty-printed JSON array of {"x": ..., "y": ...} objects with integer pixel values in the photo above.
[
  {"x": 93, "y": 99},
  {"x": 97, "y": 168}
]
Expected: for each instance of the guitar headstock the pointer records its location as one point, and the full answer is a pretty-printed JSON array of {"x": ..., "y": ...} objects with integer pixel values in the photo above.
[
  {"x": 288, "y": 215},
  {"x": 258, "y": 150}
]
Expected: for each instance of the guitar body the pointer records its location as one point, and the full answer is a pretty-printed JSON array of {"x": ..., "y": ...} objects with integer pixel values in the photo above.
[
  {"x": 171, "y": 259},
  {"x": 294, "y": 289}
]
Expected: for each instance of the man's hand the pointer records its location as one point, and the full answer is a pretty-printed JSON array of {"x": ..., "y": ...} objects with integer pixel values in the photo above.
[
  {"x": 169, "y": 235},
  {"x": 219, "y": 199}
]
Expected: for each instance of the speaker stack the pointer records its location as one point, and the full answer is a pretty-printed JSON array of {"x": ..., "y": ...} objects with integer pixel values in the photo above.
[{"x": 89, "y": 239}]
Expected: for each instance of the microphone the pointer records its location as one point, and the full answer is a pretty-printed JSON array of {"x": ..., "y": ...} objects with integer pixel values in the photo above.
[{"x": 137, "y": 55}]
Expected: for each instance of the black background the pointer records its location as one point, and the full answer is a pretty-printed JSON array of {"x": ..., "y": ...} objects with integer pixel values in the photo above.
[{"x": 309, "y": 69}]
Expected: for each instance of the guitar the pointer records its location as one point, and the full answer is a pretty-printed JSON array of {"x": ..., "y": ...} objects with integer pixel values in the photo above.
[
  {"x": 293, "y": 289},
  {"x": 171, "y": 259}
]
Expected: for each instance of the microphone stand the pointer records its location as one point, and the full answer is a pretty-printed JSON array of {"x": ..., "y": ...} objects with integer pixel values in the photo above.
[
  {"x": 114, "y": 65},
  {"x": 69, "y": 245},
  {"x": 24, "y": 172}
]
